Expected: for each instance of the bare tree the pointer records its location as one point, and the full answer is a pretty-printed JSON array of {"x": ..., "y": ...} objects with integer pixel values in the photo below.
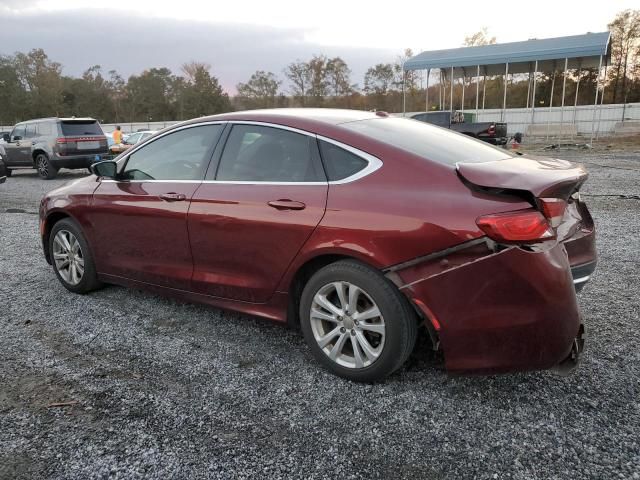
[
  {"x": 481, "y": 37},
  {"x": 260, "y": 91},
  {"x": 192, "y": 69},
  {"x": 625, "y": 48},
  {"x": 298, "y": 73}
]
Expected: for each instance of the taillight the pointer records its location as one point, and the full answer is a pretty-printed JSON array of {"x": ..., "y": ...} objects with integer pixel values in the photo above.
[
  {"x": 520, "y": 226},
  {"x": 553, "y": 209},
  {"x": 492, "y": 131}
]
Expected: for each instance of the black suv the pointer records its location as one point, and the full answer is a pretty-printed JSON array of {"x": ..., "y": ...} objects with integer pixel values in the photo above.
[{"x": 49, "y": 144}]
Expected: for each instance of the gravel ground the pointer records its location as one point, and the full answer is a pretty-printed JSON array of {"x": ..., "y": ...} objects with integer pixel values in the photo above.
[{"x": 172, "y": 390}]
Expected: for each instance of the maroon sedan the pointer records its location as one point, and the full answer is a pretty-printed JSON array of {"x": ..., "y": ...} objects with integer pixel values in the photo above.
[{"x": 357, "y": 227}]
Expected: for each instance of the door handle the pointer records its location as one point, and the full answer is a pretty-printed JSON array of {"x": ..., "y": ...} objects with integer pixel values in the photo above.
[
  {"x": 286, "y": 204},
  {"x": 173, "y": 197}
]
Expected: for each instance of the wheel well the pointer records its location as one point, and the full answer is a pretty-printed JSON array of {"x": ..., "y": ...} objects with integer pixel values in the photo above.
[
  {"x": 300, "y": 279},
  {"x": 50, "y": 221},
  {"x": 35, "y": 154}
]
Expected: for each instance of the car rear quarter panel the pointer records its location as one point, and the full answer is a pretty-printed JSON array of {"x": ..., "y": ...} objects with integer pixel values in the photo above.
[
  {"x": 511, "y": 310},
  {"x": 408, "y": 208}
]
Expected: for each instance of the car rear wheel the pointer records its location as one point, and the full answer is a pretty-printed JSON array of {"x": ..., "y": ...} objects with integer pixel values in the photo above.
[
  {"x": 71, "y": 258},
  {"x": 45, "y": 169},
  {"x": 356, "y": 322}
]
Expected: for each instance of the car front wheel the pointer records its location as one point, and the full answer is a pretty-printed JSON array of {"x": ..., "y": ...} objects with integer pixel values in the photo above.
[
  {"x": 356, "y": 322},
  {"x": 71, "y": 258}
]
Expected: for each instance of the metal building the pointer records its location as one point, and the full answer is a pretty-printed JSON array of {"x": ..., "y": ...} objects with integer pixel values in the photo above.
[{"x": 591, "y": 50}]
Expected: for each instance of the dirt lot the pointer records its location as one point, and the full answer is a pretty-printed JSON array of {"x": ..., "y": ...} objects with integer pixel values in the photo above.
[{"x": 161, "y": 389}]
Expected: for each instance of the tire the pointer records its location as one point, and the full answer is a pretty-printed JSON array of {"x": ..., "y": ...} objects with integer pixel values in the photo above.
[
  {"x": 69, "y": 230},
  {"x": 8, "y": 172},
  {"x": 390, "y": 336},
  {"x": 44, "y": 167}
]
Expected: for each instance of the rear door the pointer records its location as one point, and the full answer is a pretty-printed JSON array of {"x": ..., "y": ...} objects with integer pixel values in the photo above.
[
  {"x": 249, "y": 219},
  {"x": 140, "y": 220}
]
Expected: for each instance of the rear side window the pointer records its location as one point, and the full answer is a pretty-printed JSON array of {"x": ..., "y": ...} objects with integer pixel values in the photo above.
[
  {"x": 45, "y": 128},
  {"x": 432, "y": 143},
  {"x": 73, "y": 128},
  {"x": 254, "y": 153},
  {"x": 338, "y": 162}
]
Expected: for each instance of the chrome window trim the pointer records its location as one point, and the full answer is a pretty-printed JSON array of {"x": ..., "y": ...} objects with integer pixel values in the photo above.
[
  {"x": 153, "y": 138},
  {"x": 373, "y": 163}
]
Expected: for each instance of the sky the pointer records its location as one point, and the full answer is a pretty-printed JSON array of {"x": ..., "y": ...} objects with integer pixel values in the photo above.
[{"x": 238, "y": 38}]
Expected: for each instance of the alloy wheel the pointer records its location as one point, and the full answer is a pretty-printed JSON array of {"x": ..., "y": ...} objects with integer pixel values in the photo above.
[
  {"x": 43, "y": 166},
  {"x": 347, "y": 325},
  {"x": 68, "y": 258}
]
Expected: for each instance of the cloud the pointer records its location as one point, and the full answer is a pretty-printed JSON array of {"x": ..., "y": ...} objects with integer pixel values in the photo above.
[{"x": 79, "y": 39}]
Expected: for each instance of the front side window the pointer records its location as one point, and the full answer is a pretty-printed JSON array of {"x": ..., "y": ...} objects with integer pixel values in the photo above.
[
  {"x": 180, "y": 155},
  {"x": 255, "y": 153},
  {"x": 18, "y": 133}
]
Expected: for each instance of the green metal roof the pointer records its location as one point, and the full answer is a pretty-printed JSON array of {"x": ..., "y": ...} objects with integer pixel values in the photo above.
[{"x": 581, "y": 50}]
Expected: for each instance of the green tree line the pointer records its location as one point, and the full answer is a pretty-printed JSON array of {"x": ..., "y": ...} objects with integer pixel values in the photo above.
[{"x": 32, "y": 85}]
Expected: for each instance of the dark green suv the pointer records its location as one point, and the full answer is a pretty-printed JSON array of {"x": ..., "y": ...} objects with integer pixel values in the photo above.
[{"x": 49, "y": 144}]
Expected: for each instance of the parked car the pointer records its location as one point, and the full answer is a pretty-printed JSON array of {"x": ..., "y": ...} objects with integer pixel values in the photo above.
[
  {"x": 494, "y": 133},
  {"x": 358, "y": 227},
  {"x": 49, "y": 144},
  {"x": 130, "y": 140},
  {"x": 3, "y": 168}
]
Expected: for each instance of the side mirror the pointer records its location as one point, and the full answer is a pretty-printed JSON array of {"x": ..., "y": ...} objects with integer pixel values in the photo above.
[
  {"x": 6, "y": 137},
  {"x": 106, "y": 169}
]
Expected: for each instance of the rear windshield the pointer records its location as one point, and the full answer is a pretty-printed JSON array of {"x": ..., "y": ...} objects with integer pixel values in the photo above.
[
  {"x": 74, "y": 128},
  {"x": 430, "y": 142}
]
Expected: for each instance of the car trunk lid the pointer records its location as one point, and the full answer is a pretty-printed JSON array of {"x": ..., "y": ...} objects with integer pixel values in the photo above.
[
  {"x": 540, "y": 176},
  {"x": 549, "y": 185}
]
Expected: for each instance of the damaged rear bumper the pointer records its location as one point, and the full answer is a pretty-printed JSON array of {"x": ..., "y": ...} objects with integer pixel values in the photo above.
[{"x": 495, "y": 312}]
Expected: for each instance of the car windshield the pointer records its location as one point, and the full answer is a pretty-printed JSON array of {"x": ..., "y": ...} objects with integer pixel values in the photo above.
[
  {"x": 428, "y": 141},
  {"x": 74, "y": 128}
]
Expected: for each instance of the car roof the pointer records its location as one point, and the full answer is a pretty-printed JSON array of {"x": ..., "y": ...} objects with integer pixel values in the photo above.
[
  {"x": 62, "y": 119},
  {"x": 327, "y": 116}
]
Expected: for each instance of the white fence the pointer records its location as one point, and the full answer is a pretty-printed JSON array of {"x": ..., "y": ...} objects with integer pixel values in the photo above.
[
  {"x": 606, "y": 117},
  {"x": 518, "y": 119}
]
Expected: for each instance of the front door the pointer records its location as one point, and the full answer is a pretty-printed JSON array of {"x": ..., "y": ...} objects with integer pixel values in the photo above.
[
  {"x": 18, "y": 149},
  {"x": 248, "y": 221},
  {"x": 140, "y": 219}
]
